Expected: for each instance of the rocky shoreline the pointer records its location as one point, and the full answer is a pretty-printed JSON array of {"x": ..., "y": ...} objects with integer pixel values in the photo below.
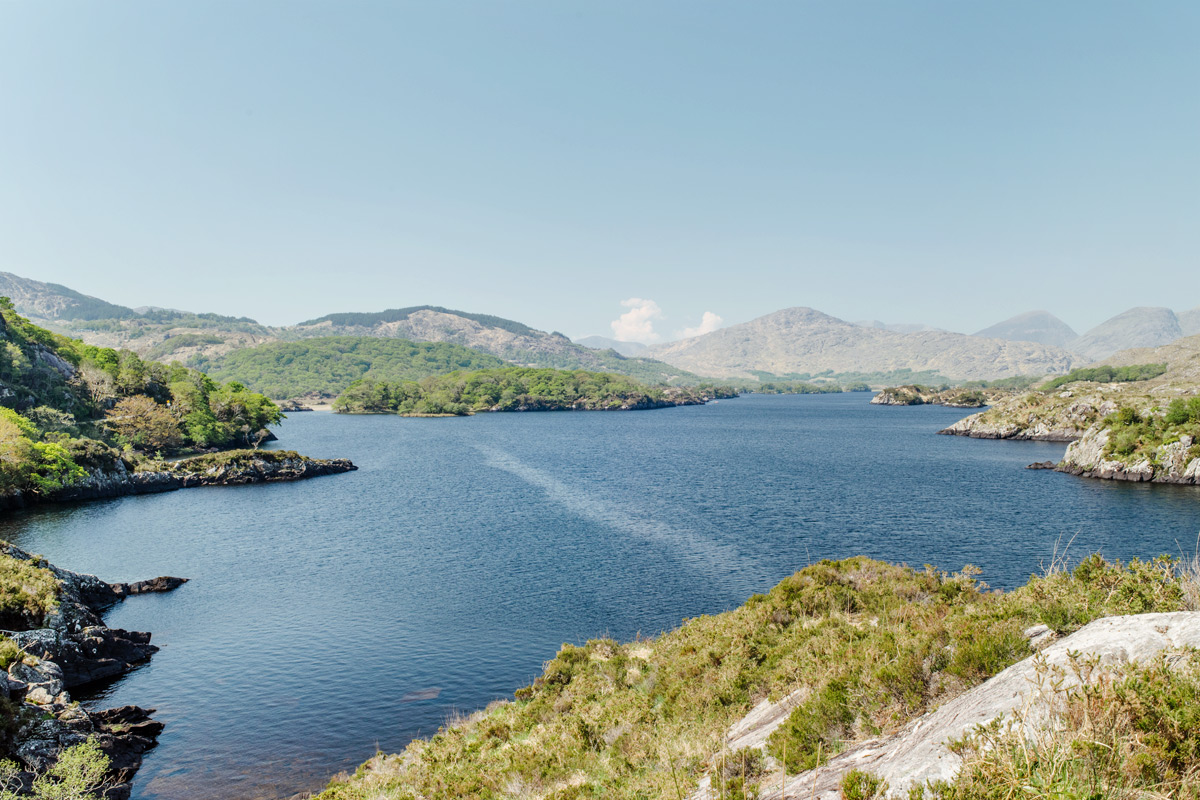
[
  {"x": 119, "y": 478},
  {"x": 1173, "y": 463},
  {"x": 65, "y": 648},
  {"x": 1079, "y": 423},
  {"x": 915, "y": 395}
]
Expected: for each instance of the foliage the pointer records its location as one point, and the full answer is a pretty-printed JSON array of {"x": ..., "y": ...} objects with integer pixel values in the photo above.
[
  {"x": 859, "y": 785},
  {"x": 145, "y": 424},
  {"x": 513, "y": 389},
  {"x": 1134, "y": 434},
  {"x": 231, "y": 458},
  {"x": 329, "y": 365},
  {"x": 26, "y": 590},
  {"x": 1129, "y": 733},
  {"x": 799, "y": 388},
  {"x": 867, "y": 645},
  {"x": 80, "y": 773},
  {"x": 1107, "y": 374},
  {"x": 66, "y": 402}
]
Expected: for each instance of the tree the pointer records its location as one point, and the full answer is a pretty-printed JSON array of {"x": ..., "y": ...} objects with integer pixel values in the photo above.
[{"x": 145, "y": 424}]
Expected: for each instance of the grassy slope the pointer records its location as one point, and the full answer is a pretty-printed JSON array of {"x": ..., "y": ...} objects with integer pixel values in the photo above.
[{"x": 870, "y": 646}]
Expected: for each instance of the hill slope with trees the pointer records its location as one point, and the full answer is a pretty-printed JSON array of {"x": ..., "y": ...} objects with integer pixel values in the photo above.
[{"x": 328, "y": 365}]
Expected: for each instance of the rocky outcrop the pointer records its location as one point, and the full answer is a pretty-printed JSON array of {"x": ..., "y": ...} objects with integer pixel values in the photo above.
[
  {"x": 1175, "y": 462},
  {"x": 920, "y": 753},
  {"x": 236, "y": 468},
  {"x": 1034, "y": 417},
  {"x": 70, "y": 646},
  {"x": 915, "y": 395}
]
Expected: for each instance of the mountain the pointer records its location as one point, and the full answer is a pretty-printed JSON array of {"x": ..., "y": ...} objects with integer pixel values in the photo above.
[
  {"x": 51, "y": 301},
  {"x": 169, "y": 335},
  {"x": 627, "y": 349},
  {"x": 156, "y": 333},
  {"x": 1033, "y": 326},
  {"x": 898, "y": 327},
  {"x": 1189, "y": 321},
  {"x": 1181, "y": 356},
  {"x": 1138, "y": 327},
  {"x": 506, "y": 339},
  {"x": 802, "y": 340}
]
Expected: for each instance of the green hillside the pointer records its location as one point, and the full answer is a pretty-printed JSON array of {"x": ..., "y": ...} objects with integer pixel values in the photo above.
[
  {"x": 67, "y": 407},
  {"x": 330, "y": 364}
]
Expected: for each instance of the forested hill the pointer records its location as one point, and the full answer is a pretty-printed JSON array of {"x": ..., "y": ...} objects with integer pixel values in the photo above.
[
  {"x": 517, "y": 389},
  {"x": 328, "y": 365},
  {"x": 67, "y": 407}
]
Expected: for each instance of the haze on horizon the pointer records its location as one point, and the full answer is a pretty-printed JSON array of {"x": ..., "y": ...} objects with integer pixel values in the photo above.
[{"x": 935, "y": 162}]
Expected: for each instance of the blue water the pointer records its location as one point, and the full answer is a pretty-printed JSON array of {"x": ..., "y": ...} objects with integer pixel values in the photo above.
[{"x": 465, "y": 551}]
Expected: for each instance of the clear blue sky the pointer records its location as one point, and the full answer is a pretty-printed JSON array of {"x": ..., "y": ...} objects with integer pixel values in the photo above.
[{"x": 952, "y": 163}]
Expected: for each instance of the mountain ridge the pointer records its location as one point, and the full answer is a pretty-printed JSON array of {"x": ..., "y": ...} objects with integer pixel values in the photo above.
[{"x": 804, "y": 340}]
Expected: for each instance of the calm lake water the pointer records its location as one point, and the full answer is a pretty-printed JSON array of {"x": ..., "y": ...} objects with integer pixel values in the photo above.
[{"x": 330, "y": 617}]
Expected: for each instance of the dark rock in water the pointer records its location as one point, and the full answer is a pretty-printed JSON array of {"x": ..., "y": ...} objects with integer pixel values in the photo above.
[
  {"x": 1042, "y": 465},
  {"x": 163, "y": 583}
]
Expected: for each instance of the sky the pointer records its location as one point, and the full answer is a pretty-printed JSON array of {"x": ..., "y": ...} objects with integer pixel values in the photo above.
[{"x": 645, "y": 169}]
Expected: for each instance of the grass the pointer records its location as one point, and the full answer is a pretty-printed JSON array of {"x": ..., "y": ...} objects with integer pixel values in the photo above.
[
  {"x": 231, "y": 458},
  {"x": 1124, "y": 734},
  {"x": 27, "y": 591},
  {"x": 871, "y": 645}
]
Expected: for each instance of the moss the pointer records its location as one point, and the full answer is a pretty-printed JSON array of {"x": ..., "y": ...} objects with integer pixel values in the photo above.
[{"x": 27, "y": 591}]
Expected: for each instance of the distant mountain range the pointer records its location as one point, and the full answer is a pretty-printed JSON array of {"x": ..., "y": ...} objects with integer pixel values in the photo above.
[
  {"x": 1138, "y": 327},
  {"x": 206, "y": 339},
  {"x": 785, "y": 344},
  {"x": 805, "y": 341}
]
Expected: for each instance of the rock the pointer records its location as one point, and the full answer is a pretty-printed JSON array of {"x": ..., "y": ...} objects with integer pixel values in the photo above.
[
  {"x": 919, "y": 753},
  {"x": 160, "y": 584},
  {"x": 1171, "y": 463},
  {"x": 1041, "y": 465},
  {"x": 74, "y": 647},
  {"x": 1039, "y": 636}
]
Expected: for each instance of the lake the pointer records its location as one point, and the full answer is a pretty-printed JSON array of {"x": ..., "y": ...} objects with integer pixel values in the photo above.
[{"x": 327, "y": 618}]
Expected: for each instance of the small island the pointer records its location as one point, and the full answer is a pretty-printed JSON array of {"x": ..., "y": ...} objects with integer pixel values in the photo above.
[{"x": 518, "y": 389}]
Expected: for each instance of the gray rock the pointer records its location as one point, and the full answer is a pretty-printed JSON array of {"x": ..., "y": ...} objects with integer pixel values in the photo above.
[{"x": 919, "y": 753}]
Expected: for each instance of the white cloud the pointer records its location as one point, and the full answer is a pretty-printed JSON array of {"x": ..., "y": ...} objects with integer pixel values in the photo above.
[
  {"x": 708, "y": 323},
  {"x": 637, "y": 324}
]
